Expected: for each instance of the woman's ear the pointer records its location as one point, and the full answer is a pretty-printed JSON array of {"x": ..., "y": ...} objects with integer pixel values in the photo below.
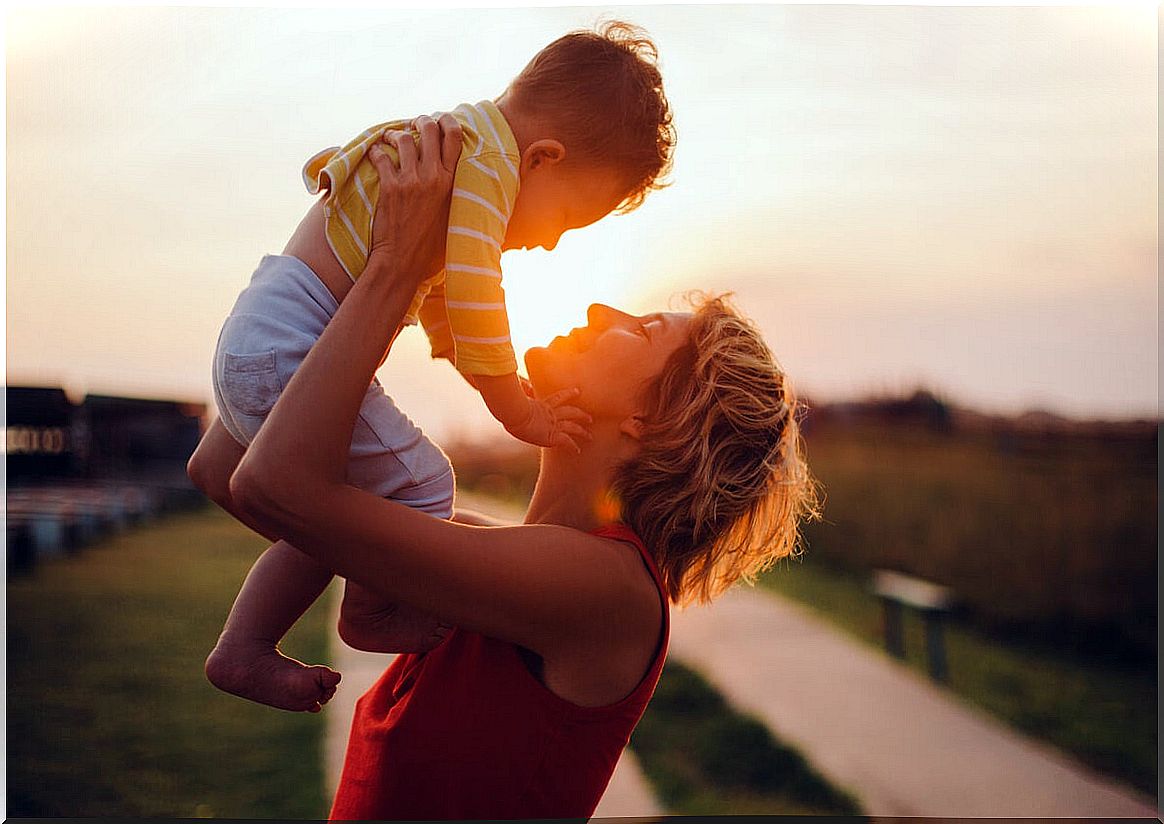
[
  {"x": 541, "y": 153},
  {"x": 632, "y": 427}
]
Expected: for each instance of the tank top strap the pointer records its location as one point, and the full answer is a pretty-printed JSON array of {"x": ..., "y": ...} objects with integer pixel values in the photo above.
[{"x": 622, "y": 532}]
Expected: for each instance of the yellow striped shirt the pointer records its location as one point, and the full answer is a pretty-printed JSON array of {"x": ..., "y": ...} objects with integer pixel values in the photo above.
[{"x": 463, "y": 307}]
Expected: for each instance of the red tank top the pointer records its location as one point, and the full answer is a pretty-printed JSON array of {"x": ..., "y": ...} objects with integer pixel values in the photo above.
[{"x": 465, "y": 731}]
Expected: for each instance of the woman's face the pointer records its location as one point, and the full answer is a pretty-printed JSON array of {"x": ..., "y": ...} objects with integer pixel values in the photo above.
[{"x": 610, "y": 359}]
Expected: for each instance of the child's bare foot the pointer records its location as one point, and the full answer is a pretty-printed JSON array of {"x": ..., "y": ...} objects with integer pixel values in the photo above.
[
  {"x": 371, "y": 625},
  {"x": 258, "y": 672}
]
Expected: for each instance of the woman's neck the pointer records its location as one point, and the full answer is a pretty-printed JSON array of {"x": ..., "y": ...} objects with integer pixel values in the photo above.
[{"x": 572, "y": 490}]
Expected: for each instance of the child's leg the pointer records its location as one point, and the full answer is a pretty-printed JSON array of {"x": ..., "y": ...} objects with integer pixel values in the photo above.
[
  {"x": 274, "y": 323},
  {"x": 246, "y": 662},
  {"x": 392, "y": 458},
  {"x": 370, "y": 623}
]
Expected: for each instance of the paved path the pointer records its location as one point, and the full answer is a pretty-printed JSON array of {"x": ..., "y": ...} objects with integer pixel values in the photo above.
[
  {"x": 628, "y": 794},
  {"x": 899, "y": 744}
]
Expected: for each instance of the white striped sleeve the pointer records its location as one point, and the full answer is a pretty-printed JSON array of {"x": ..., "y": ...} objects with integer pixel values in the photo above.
[
  {"x": 434, "y": 318},
  {"x": 474, "y": 305},
  {"x": 494, "y": 341},
  {"x": 474, "y": 299},
  {"x": 465, "y": 231},
  {"x": 466, "y": 269},
  {"x": 347, "y": 222},
  {"x": 465, "y": 194},
  {"x": 499, "y": 143}
]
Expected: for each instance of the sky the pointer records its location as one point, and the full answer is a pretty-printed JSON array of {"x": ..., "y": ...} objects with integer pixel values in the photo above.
[{"x": 958, "y": 198}]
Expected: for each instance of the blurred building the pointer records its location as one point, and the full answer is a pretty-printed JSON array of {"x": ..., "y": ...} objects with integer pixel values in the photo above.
[
  {"x": 39, "y": 437},
  {"x": 48, "y": 438}
]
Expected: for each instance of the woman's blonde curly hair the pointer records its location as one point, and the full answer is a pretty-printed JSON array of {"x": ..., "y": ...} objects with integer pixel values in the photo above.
[{"x": 720, "y": 485}]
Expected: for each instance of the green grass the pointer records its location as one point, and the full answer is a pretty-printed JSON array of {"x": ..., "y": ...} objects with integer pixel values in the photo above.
[
  {"x": 1049, "y": 537},
  {"x": 1104, "y": 715},
  {"x": 704, "y": 758},
  {"x": 108, "y": 710}
]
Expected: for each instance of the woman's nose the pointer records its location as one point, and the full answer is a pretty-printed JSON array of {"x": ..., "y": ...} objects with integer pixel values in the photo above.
[
  {"x": 600, "y": 315},
  {"x": 597, "y": 315}
]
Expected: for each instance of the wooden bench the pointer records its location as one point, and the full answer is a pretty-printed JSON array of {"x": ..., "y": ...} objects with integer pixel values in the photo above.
[{"x": 933, "y": 601}]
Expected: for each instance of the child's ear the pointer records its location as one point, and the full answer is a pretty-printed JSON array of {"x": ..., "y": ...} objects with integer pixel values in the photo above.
[{"x": 540, "y": 153}]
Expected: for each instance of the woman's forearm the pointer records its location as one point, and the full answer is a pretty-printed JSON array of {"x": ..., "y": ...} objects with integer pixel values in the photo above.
[
  {"x": 309, "y": 431},
  {"x": 210, "y": 469}
]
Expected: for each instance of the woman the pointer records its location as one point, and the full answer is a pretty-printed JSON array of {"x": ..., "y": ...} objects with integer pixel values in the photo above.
[{"x": 688, "y": 478}]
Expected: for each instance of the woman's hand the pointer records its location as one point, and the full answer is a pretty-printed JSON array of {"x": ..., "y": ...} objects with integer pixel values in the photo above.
[{"x": 412, "y": 209}]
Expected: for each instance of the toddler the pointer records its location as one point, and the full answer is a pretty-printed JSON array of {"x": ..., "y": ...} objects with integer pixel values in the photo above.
[{"x": 583, "y": 130}]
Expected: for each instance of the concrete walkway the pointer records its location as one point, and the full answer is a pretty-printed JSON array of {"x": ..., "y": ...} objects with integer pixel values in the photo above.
[{"x": 902, "y": 746}]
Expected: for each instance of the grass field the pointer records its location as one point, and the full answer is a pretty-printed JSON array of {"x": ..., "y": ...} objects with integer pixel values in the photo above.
[
  {"x": 704, "y": 758},
  {"x": 108, "y": 711},
  {"x": 1050, "y": 537}
]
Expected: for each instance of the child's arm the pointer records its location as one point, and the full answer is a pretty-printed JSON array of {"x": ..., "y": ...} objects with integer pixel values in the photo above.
[
  {"x": 527, "y": 418},
  {"x": 434, "y": 319},
  {"x": 473, "y": 302},
  {"x": 466, "y": 314}
]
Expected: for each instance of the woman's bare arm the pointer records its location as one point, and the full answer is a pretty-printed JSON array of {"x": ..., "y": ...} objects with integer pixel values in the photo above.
[
  {"x": 211, "y": 466},
  {"x": 539, "y": 586},
  {"x": 473, "y": 518}
]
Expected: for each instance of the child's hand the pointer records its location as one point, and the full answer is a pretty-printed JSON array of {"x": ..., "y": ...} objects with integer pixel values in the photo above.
[{"x": 552, "y": 422}]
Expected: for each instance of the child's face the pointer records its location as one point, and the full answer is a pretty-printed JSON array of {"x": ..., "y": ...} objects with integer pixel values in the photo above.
[{"x": 556, "y": 197}]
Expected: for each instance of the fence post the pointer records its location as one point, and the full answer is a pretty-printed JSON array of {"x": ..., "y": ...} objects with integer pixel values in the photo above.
[
  {"x": 935, "y": 645},
  {"x": 894, "y": 634}
]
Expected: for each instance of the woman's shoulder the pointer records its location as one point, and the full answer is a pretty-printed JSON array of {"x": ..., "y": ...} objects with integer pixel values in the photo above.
[
  {"x": 628, "y": 624},
  {"x": 622, "y": 536},
  {"x": 613, "y": 573},
  {"x": 641, "y": 600}
]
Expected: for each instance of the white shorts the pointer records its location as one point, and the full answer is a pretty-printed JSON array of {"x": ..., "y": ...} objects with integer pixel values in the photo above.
[{"x": 274, "y": 323}]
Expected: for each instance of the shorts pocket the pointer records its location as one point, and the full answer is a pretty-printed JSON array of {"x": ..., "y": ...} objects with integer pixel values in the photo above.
[{"x": 251, "y": 382}]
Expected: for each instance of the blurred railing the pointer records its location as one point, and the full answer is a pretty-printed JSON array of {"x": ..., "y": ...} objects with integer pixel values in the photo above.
[{"x": 51, "y": 520}]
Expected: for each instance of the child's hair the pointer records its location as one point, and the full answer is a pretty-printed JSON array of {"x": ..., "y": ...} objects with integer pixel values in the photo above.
[
  {"x": 719, "y": 485},
  {"x": 603, "y": 94}
]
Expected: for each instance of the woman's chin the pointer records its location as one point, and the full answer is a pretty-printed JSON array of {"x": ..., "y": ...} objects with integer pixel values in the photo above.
[
  {"x": 535, "y": 364},
  {"x": 539, "y": 365}
]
